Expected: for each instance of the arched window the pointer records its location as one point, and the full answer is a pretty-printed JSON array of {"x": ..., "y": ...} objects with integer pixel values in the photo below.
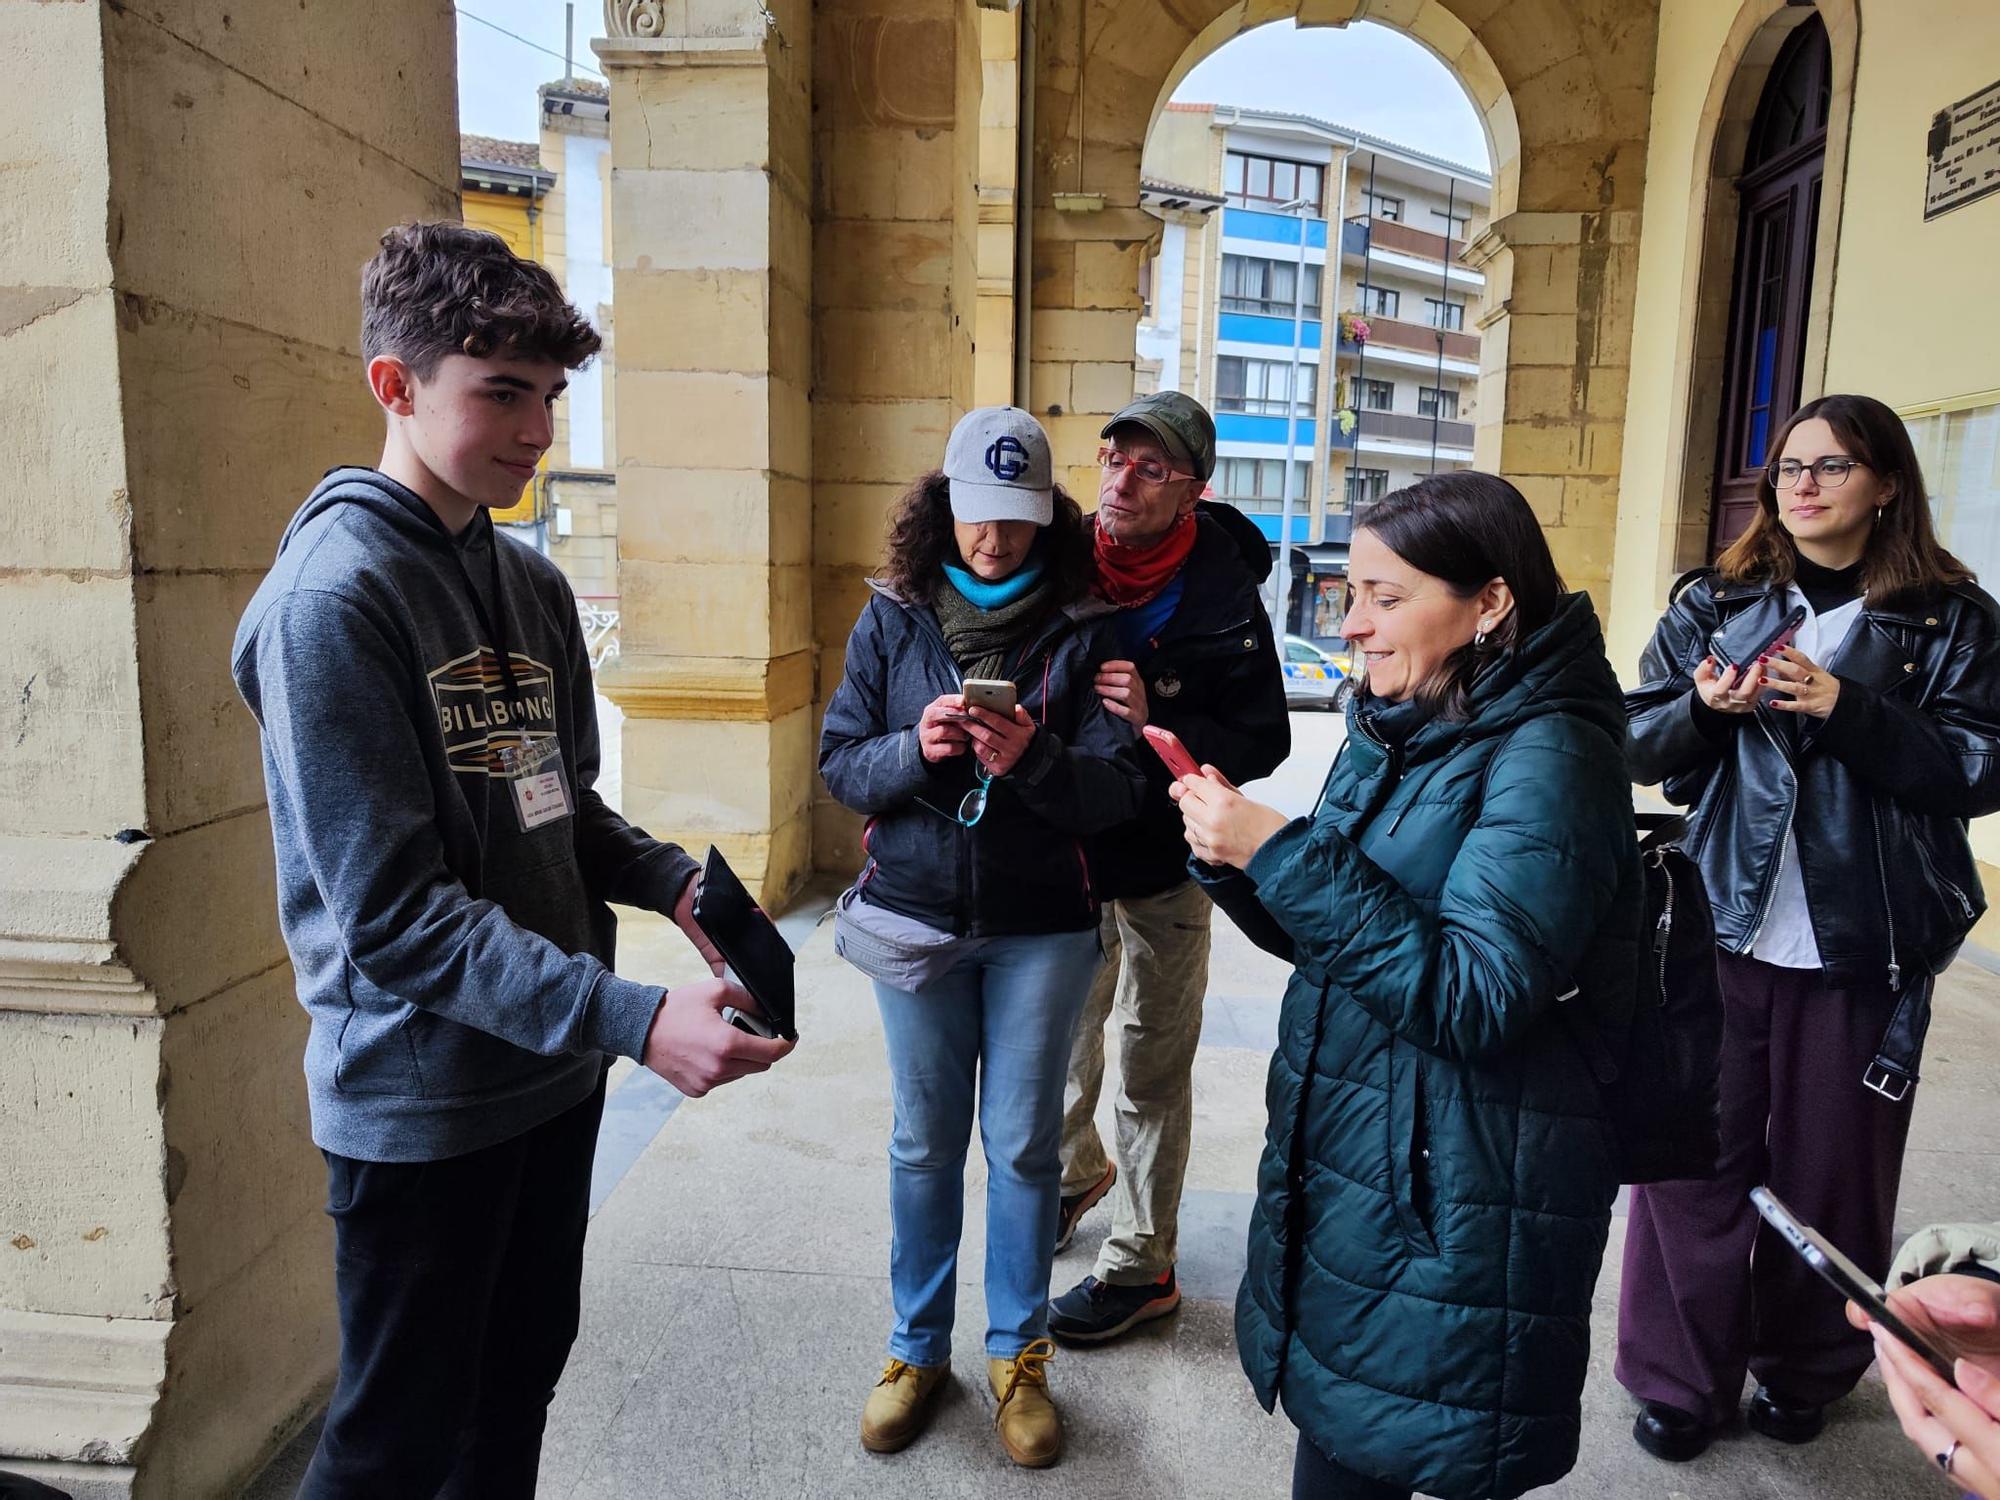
[{"x": 1778, "y": 225}]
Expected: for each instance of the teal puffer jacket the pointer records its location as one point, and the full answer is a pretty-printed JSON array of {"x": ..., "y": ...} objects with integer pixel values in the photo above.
[{"x": 1437, "y": 1176}]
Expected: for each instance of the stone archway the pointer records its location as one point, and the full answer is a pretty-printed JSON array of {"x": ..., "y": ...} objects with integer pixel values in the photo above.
[{"x": 1563, "y": 86}]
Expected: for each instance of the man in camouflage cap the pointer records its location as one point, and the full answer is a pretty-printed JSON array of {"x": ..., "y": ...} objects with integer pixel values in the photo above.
[{"x": 1199, "y": 659}]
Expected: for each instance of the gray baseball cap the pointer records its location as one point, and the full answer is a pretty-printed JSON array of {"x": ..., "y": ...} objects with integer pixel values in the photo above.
[
  {"x": 1181, "y": 423},
  {"x": 999, "y": 467}
]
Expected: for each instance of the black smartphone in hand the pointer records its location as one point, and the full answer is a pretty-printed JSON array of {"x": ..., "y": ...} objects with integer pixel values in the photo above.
[
  {"x": 1771, "y": 645},
  {"x": 1848, "y": 1279}
]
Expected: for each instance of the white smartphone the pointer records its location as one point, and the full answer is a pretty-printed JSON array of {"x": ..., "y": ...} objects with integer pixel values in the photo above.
[
  {"x": 1847, "y": 1278},
  {"x": 991, "y": 694},
  {"x": 742, "y": 1020}
]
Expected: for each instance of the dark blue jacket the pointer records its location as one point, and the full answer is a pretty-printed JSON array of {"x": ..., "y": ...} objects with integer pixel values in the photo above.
[
  {"x": 1436, "y": 1186},
  {"x": 1213, "y": 677},
  {"x": 1022, "y": 867}
]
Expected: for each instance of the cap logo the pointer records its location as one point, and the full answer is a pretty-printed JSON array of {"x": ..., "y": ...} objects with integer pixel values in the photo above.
[{"x": 1007, "y": 459}]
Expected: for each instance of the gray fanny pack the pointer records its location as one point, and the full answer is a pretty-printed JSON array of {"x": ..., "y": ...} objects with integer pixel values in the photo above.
[{"x": 899, "y": 951}]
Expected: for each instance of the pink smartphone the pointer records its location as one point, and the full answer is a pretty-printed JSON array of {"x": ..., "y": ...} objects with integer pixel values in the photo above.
[{"x": 1167, "y": 745}]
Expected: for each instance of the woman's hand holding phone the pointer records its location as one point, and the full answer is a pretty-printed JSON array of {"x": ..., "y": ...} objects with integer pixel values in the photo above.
[
  {"x": 1963, "y": 1314},
  {"x": 1729, "y": 690},
  {"x": 1808, "y": 688},
  {"x": 999, "y": 743},
  {"x": 1223, "y": 826},
  {"x": 941, "y": 731}
]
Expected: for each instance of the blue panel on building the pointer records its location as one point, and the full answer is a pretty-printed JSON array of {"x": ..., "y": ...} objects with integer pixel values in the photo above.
[
  {"x": 1267, "y": 522},
  {"x": 1354, "y": 239},
  {"x": 1239, "y": 427},
  {"x": 1272, "y": 229},
  {"x": 1254, "y": 328}
]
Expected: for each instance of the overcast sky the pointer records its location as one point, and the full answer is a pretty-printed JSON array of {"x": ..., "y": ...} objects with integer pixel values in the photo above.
[{"x": 1366, "y": 76}]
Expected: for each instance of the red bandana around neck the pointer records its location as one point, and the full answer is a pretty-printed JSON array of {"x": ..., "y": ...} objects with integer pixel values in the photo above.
[{"x": 1127, "y": 576}]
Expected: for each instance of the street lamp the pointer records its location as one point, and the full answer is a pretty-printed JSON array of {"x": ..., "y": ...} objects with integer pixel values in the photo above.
[{"x": 1299, "y": 207}]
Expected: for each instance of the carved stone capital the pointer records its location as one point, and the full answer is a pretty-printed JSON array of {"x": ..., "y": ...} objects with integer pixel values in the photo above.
[
  {"x": 713, "y": 689},
  {"x": 660, "y": 33}
]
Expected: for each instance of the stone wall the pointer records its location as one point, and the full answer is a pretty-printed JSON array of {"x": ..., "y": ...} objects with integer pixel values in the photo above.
[
  {"x": 178, "y": 320},
  {"x": 896, "y": 268}
]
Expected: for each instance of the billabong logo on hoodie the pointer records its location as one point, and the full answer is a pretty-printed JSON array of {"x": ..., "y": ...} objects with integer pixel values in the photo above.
[{"x": 474, "y": 715}]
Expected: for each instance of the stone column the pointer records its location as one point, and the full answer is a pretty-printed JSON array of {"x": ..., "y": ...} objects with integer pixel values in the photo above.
[
  {"x": 711, "y": 135},
  {"x": 191, "y": 195}
]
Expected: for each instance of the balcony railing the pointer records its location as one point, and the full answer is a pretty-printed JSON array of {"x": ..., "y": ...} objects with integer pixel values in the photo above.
[
  {"x": 1401, "y": 427},
  {"x": 1393, "y": 333},
  {"x": 1401, "y": 238}
]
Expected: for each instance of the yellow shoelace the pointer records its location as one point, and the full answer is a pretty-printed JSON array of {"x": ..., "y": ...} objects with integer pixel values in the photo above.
[
  {"x": 1029, "y": 1367},
  {"x": 893, "y": 1372}
]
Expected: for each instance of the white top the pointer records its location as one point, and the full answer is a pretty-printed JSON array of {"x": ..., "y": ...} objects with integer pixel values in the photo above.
[{"x": 1786, "y": 937}]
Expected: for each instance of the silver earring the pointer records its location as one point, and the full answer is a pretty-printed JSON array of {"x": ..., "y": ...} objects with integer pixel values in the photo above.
[{"x": 1479, "y": 639}]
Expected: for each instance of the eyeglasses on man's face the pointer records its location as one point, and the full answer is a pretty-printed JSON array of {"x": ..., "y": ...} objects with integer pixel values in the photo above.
[
  {"x": 1829, "y": 473},
  {"x": 1151, "y": 470}
]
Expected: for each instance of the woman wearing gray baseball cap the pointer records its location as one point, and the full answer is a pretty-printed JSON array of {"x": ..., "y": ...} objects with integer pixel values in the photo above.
[{"x": 974, "y": 913}]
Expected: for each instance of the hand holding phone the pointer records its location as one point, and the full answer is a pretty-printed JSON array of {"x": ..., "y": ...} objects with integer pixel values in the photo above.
[
  {"x": 1167, "y": 745},
  {"x": 1848, "y": 1279},
  {"x": 1770, "y": 646}
]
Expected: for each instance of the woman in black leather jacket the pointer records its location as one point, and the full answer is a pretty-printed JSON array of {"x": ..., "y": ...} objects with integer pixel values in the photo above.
[{"x": 1830, "y": 783}]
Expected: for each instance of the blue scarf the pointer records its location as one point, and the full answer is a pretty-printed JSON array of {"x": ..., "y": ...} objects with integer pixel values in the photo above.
[{"x": 986, "y": 595}]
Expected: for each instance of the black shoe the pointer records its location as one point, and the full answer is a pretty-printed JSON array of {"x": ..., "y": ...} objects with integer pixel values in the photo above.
[
  {"x": 1669, "y": 1433},
  {"x": 1076, "y": 1205},
  {"x": 1786, "y": 1420},
  {"x": 1094, "y": 1312}
]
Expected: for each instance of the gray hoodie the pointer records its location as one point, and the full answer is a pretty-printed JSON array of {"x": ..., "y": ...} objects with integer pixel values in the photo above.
[{"x": 456, "y": 969}]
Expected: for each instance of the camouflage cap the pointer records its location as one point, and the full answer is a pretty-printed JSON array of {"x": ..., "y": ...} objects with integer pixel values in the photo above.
[{"x": 1181, "y": 423}]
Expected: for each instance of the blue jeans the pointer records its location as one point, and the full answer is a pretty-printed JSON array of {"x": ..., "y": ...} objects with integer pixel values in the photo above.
[{"x": 1005, "y": 1016}]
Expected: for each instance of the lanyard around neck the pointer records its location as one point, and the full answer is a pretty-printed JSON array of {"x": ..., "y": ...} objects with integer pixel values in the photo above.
[{"x": 496, "y": 634}]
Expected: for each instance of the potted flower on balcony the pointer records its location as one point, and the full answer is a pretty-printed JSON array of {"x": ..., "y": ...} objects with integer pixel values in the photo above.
[{"x": 1353, "y": 328}]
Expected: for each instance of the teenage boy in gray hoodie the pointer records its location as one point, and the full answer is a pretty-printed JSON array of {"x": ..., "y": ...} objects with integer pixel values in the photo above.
[{"x": 444, "y": 864}]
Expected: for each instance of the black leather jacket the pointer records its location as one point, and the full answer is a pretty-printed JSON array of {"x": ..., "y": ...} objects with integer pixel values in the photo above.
[{"x": 1877, "y": 794}]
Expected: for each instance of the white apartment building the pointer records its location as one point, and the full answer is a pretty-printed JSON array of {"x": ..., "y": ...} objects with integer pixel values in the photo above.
[{"x": 1251, "y": 201}]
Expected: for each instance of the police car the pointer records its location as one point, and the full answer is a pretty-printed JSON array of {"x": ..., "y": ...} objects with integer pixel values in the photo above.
[{"x": 1312, "y": 676}]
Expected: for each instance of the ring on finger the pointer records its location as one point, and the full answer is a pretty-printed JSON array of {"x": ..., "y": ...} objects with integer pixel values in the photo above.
[{"x": 1949, "y": 1456}]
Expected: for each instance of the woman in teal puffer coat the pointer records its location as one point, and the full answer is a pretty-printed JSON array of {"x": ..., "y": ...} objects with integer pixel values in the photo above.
[{"x": 1438, "y": 1173}]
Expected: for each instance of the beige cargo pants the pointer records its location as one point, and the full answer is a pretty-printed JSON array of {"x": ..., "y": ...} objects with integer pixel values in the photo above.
[{"x": 1154, "y": 977}]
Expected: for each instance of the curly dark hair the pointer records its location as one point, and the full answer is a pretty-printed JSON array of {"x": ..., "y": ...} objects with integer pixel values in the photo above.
[
  {"x": 921, "y": 542},
  {"x": 439, "y": 288}
]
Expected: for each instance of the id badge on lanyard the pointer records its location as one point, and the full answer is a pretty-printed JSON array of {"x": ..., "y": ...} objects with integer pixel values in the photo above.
[{"x": 533, "y": 773}]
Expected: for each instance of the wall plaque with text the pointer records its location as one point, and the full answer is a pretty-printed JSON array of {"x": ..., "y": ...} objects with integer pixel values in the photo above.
[{"x": 1963, "y": 148}]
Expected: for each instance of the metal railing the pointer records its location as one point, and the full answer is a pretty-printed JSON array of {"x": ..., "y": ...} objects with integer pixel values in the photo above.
[{"x": 600, "y": 627}]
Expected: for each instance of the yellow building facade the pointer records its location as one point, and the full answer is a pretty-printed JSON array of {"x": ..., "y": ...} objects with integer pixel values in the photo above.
[{"x": 831, "y": 226}]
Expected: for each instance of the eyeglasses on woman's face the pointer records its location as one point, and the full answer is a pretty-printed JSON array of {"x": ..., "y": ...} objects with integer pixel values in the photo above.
[{"x": 1829, "y": 473}]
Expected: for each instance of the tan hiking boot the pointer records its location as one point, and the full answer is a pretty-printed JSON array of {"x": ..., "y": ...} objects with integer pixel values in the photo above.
[
  {"x": 899, "y": 1405},
  {"x": 1030, "y": 1427}
]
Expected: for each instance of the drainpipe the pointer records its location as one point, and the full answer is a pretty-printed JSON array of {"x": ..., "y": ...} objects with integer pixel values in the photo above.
[
  {"x": 1024, "y": 208},
  {"x": 1329, "y": 349}
]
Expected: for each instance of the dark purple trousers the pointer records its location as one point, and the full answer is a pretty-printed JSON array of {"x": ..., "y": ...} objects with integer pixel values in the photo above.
[{"x": 1708, "y": 1289}]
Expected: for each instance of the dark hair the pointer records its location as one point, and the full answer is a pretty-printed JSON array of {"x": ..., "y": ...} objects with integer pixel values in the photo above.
[
  {"x": 437, "y": 289},
  {"x": 1466, "y": 529},
  {"x": 921, "y": 542},
  {"x": 1903, "y": 557}
]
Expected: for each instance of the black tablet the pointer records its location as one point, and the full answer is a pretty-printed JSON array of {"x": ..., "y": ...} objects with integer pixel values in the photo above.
[{"x": 749, "y": 942}]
